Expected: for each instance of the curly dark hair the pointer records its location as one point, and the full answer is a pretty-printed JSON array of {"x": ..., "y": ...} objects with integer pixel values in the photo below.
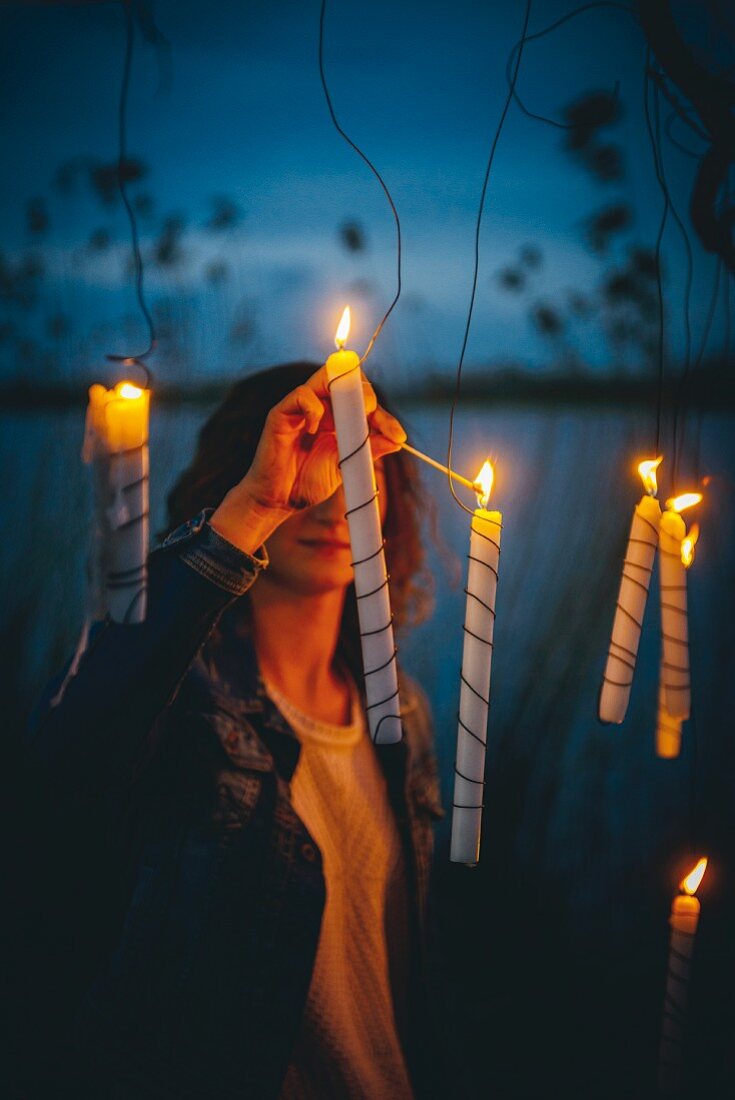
[{"x": 226, "y": 449}]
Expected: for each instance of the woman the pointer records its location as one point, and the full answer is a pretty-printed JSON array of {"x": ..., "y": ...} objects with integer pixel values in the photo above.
[{"x": 274, "y": 940}]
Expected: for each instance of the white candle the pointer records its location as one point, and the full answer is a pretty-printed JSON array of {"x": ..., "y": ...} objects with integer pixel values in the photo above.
[
  {"x": 117, "y": 443},
  {"x": 640, "y": 554},
  {"x": 668, "y": 729},
  {"x": 674, "y": 619},
  {"x": 366, "y": 541},
  {"x": 684, "y": 920},
  {"x": 474, "y": 696}
]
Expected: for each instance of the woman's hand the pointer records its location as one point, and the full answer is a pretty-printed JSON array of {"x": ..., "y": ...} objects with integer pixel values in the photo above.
[{"x": 296, "y": 463}]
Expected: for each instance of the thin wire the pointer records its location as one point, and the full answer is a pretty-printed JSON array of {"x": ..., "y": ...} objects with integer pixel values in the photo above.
[
  {"x": 688, "y": 282},
  {"x": 703, "y": 345},
  {"x": 378, "y": 177},
  {"x": 657, "y": 253},
  {"x": 547, "y": 30},
  {"x": 475, "y": 274},
  {"x": 129, "y": 360}
]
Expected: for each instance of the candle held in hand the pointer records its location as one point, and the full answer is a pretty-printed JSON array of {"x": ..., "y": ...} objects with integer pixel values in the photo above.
[
  {"x": 674, "y": 618},
  {"x": 116, "y": 443},
  {"x": 683, "y": 921},
  {"x": 474, "y": 697},
  {"x": 366, "y": 540},
  {"x": 640, "y": 554}
]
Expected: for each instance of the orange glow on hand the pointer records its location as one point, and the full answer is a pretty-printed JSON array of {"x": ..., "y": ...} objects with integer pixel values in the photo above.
[
  {"x": 647, "y": 470},
  {"x": 343, "y": 328},
  {"x": 686, "y": 500},
  {"x": 690, "y": 883},
  {"x": 484, "y": 482},
  {"x": 128, "y": 391},
  {"x": 687, "y": 545}
]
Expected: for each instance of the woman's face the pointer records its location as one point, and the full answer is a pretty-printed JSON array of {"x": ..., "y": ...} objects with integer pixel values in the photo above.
[{"x": 310, "y": 553}]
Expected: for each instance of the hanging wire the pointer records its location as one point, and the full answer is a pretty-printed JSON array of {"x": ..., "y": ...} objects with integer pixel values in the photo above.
[
  {"x": 378, "y": 177},
  {"x": 547, "y": 30},
  {"x": 700, "y": 355},
  {"x": 657, "y": 252},
  {"x": 476, "y": 271},
  {"x": 132, "y": 360},
  {"x": 688, "y": 282}
]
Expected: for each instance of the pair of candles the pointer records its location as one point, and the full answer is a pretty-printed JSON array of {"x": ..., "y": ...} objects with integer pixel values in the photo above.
[
  {"x": 651, "y": 530},
  {"x": 373, "y": 598}
]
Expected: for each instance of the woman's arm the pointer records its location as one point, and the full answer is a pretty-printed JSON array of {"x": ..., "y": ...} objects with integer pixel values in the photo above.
[{"x": 130, "y": 674}]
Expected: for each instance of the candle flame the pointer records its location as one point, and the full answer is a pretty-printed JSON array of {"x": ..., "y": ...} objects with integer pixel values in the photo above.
[
  {"x": 690, "y": 883},
  {"x": 647, "y": 470},
  {"x": 685, "y": 500},
  {"x": 687, "y": 545},
  {"x": 343, "y": 328},
  {"x": 128, "y": 391},
  {"x": 484, "y": 482}
]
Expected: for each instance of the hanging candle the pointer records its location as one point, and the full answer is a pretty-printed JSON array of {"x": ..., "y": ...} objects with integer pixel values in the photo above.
[
  {"x": 668, "y": 729},
  {"x": 683, "y": 921},
  {"x": 116, "y": 443},
  {"x": 674, "y": 619},
  {"x": 474, "y": 695},
  {"x": 634, "y": 583},
  {"x": 366, "y": 540}
]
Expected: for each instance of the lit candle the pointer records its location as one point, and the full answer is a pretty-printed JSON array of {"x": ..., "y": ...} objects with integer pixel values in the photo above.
[
  {"x": 116, "y": 442},
  {"x": 674, "y": 619},
  {"x": 366, "y": 540},
  {"x": 474, "y": 696},
  {"x": 668, "y": 729},
  {"x": 684, "y": 919},
  {"x": 634, "y": 583}
]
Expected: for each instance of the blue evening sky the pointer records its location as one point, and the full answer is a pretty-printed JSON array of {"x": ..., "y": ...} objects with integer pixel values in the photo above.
[{"x": 419, "y": 86}]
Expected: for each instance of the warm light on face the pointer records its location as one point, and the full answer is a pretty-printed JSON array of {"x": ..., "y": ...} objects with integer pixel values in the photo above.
[
  {"x": 686, "y": 500},
  {"x": 690, "y": 883},
  {"x": 128, "y": 391},
  {"x": 647, "y": 470},
  {"x": 343, "y": 328},
  {"x": 687, "y": 545},
  {"x": 484, "y": 482}
]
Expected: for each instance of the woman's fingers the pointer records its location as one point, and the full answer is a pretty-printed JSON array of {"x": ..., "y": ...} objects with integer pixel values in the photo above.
[
  {"x": 388, "y": 426},
  {"x": 303, "y": 409}
]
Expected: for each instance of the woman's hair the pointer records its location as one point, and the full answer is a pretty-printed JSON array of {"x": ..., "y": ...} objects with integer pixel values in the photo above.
[{"x": 225, "y": 452}]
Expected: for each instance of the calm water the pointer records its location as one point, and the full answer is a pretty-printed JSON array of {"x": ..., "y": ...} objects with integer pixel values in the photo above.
[{"x": 591, "y": 806}]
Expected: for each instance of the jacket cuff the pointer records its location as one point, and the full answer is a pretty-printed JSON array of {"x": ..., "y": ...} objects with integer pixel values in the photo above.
[{"x": 206, "y": 552}]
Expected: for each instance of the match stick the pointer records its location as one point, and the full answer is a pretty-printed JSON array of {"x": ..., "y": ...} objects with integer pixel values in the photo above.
[{"x": 438, "y": 466}]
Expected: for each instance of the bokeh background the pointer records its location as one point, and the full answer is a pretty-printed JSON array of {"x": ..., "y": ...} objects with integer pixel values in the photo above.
[{"x": 257, "y": 223}]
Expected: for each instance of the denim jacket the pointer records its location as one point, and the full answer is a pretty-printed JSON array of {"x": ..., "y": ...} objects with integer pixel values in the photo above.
[{"x": 202, "y": 985}]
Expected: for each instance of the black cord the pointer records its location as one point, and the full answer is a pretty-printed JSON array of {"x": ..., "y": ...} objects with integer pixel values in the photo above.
[
  {"x": 130, "y": 360},
  {"x": 657, "y": 253},
  {"x": 378, "y": 177},
  {"x": 547, "y": 30},
  {"x": 478, "y": 224}
]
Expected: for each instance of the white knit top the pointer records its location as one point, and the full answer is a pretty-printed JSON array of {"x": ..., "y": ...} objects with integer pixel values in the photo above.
[{"x": 348, "y": 1045}]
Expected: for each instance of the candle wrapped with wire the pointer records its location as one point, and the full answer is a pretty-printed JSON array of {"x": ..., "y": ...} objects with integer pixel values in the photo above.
[
  {"x": 366, "y": 540},
  {"x": 683, "y": 920},
  {"x": 474, "y": 697},
  {"x": 675, "y": 676},
  {"x": 640, "y": 555},
  {"x": 668, "y": 728},
  {"x": 116, "y": 445}
]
